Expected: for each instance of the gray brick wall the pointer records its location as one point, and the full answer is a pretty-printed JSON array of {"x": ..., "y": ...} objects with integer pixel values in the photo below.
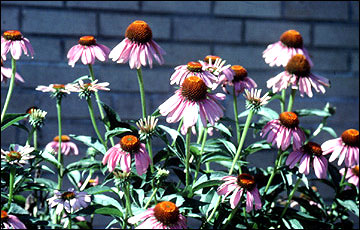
[{"x": 187, "y": 31}]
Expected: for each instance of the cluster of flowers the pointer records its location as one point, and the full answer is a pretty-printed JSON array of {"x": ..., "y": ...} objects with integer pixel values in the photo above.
[{"x": 193, "y": 100}]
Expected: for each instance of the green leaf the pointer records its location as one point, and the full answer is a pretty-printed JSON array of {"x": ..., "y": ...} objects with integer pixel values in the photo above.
[
  {"x": 49, "y": 184},
  {"x": 97, "y": 189},
  {"x": 257, "y": 146},
  {"x": 268, "y": 113},
  {"x": 85, "y": 77},
  {"x": 115, "y": 132},
  {"x": 12, "y": 118},
  {"x": 172, "y": 132},
  {"x": 330, "y": 130},
  {"x": 48, "y": 156},
  {"x": 209, "y": 180},
  {"x": 312, "y": 112},
  {"x": 16, "y": 209},
  {"x": 100, "y": 209},
  {"x": 106, "y": 201},
  {"x": 222, "y": 128},
  {"x": 83, "y": 164},
  {"x": 295, "y": 224},
  {"x": 351, "y": 205},
  {"x": 91, "y": 142},
  {"x": 229, "y": 146}
]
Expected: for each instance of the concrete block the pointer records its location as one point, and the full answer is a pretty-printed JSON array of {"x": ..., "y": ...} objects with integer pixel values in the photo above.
[
  {"x": 263, "y": 9},
  {"x": 9, "y": 18},
  {"x": 202, "y": 7},
  {"x": 332, "y": 35},
  {"x": 46, "y": 49},
  {"x": 329, "y": 60},
  {"x": 110, "y": 5},
  {"x": 34, "y": 3}
]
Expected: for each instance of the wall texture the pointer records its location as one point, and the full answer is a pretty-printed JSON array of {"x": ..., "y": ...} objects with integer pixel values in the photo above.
[{"x": 236, "y": 31}]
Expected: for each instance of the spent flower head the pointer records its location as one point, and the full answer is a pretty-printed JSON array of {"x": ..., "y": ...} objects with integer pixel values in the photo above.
[
  {"x": 253, "y": 99},
  {"x": 37, "y": 117},
  {"x": 147, "y": 125}
]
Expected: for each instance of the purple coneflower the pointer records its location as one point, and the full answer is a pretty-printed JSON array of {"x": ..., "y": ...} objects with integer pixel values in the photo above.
[
  {"x": 10, "y": 221},
  {"x": 121, "y": 154},
  {"x": 165, "y": 215},
  {"x": 7, "y": 73},
  {"x": 281, "y": 131},
  {"x": 309, "y": 154},
  {"x": 70, "y": 200},
  {"x": 237, "y": 186},
  {"x": 345, "y": 147},
  {"x": 191, "y": 100},
  {"x": 352, "y": 175},
  {"x": 279, "y": 53},
  {"x": 67, "y": 146},
  {"x": 193, "y": 69},
  {"x": 137, "y": 47},
  {"x": 19, "y": 155},
  {"x": 216, "y": 66},
  {"x": 88, "y": 49},
  {"x": 14, "y": 42},
  {"x": 239, "y": 80},
  {"x": 297, "y": 73}
]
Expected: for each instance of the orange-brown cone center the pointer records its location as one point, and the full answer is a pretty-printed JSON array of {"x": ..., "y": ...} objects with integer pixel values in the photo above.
[
  {"x": 87, "y": 41},
  {"x": 193, "y": 88},
  {"x": 239, "y": 73},
  {"x": 167, "y": 213},
  {"x": 355, "y": 170},
  {"x": 350, "y": 137},
  {"x": 130, "y": 143},
  {"x": 139, "y": 31},
  {"x": 68, "y": 195},
  {"x": 289, "y": 119},
  {"x": 247, "y": 181},
  {"x": 59, "y": 86},
  {"x": 4, "y": 215},
  {"x": 2, "y": 62},
  {"x": 31, "y": 109},
  {"x": 211, "y": 57},
  {"x": 12, "y": 35},
  {"x": 312, "y": 148},
  {"x": 64, "y": 138},
  {"x": 292, "y": 38},
  {"x": 298, "y": 65},
  {"x": 13, "y": 155},
  {"x": 194, "y": 66}
]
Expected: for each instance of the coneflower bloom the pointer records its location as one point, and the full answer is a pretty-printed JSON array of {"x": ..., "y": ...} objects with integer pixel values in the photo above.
[
  {"x": 7, "y": 73},
  {"x": 91, "y": 183},
  {"x": 281, "y": 131},
  {"x": 85, "y": 89},
  {"x": 297, "y": 73},
  {"x": 121, "y": 153},
  {"x": 240, "y": 80},
  {"x": 137, "y": 47},
  {"x": 279, "y": 53},
  {"x": 88, "y": 49},
  {"x": 70, "y": 200},
  {"x": 237, "y": 186},
  {"x": 309, "y": 155},
  {"x": 10, "y": 221},
  {"x": 253, "y": 99},
  {"x": 14, "y": 42},
  {"x": 18, "y": 155},
  {"x": 216, "y": 66},
  {"x": 193, "y": 69},
  {"x": 165, "y": 215},
  {"x": 352, "y": 175},
  {"x": 345, "y": 147},
  {"x": 67, "y": 146},
  {"x": 56, "y": 90},
  {"x": 191, "y": 100}
]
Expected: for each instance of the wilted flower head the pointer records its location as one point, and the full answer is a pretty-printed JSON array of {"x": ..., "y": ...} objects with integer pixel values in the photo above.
[
  {"x": 70, "y": 200},
  {"x": 14, "y": 42},
  {"x": 18, "y": 155},
  {"x": 37, "y": 117},
  {"x": 67, "y": 146},
  {"x": 88, "y": 49},
  {"x": 345, "y": 147},
  {"x": 253, "y": 99},
  {"x": 7, "y": 73},
  {"x": 298, "y": 74},
  {"x": 56, "y": 90},
  {"x": 238, "y": 185},
  {"x": 165, "y": 215},
  {"x": 279, "y": 53},
  {"x": 138, "y": 47},
  {"x": 147, "y": 126},
  {"x": 281, "y": 131},
  {"x": 10, "y": 221},
  {"x": 85, "y": 89},
  {"x": 161, "y": 173}
]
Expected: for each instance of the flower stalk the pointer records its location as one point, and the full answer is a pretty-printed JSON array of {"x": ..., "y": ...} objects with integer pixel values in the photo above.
[
  {"x": 290, "y": 197},
  {"x": 236, "y": 116},
  {"x": 277, "y": 162},
  {"x": 60, "y": 159},
  {"x": 93, "y": 121},
  {"x": 200, "y": 155},
  {"x": 282, "y": 101},
  {"x": 291, "y": 100},
  {"x": 11, "y": 88},
  {"x": 11, "y": 185},
  {"x": 187, "y": 160}
]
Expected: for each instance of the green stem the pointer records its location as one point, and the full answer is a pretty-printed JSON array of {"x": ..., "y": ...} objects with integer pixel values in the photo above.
[
  {"x": 148, "y": 145},
  {"x": 200, "y": 155},
  {"x": 233, "y": 213},
  {"x": 92, "y": 117},
  {"x": 282, "y": 101},
  {"x": 277, "y": 161},
  {"x": 236, "y": 116},
  {"x": 11, "y": 185},
  {"x": 290, "y": 197},
  {"x": 142, "y": 92},
  {"x": 70, "y": 224},
  {"x": 11, "y": 87},
  {"x": 200, "y": 135},
  {"x": 187, "y": 160},
  {"x": 127, "y": 198},
  {"x": 86, "y": 182},
  {"x": 291, "y": 100},
  {"x": 60, "y": 159},
  {"x": 151, "y": 197},
  {"x": 178, "y": 129},
  {"x": 214, "y": 210},
  {"x": 30, "y": 135},
  {"x": 242, "y": 140},
  {"x": 35, "y": 139},
  {"x": 98, "y": 101},
  {"x": 343, "y": 179}
]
